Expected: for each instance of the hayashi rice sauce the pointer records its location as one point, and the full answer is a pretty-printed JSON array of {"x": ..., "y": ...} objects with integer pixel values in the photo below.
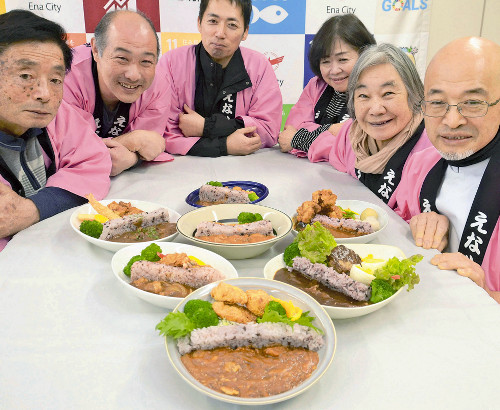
[{"x": 250, "y": 372}]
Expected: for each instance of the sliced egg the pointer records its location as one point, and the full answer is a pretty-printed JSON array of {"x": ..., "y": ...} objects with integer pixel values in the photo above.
[
  {"x": 361, "y": 274},
  {"x": 372, "y": 264}
]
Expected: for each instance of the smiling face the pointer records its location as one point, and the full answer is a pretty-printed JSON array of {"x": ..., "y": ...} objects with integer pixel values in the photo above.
[
  {"x": 126, "y": 67},
  {"x": 336, "y": 68},
  {"x": 381, "y": 102},
  {"x": 222, "y": 30},
  {"x": 31, "y": 86},
  {"x": 452, "y": 79}
]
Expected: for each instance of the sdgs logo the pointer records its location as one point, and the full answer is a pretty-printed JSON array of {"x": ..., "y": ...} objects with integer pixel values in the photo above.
[
  {"x": 404, "y": 5},
  {"x": 278, "y": 17}
]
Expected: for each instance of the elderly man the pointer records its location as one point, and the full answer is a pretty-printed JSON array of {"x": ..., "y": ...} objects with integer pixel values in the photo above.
[
  {"x": 44, "y": 167},
  {"x": 224, "y": 99},
  {"x": 112, "y": 80},
  {"x": 451, "y": 192}
]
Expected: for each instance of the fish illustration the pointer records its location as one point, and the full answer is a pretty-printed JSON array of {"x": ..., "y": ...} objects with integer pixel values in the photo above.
[
  {"x": 271, "y": 14},
  {"x": 276, "y": 60}
]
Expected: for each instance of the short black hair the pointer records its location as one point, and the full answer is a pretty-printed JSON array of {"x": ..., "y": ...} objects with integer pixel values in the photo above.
[
  {"x": 21, "y": 26},
  {"x": 101, "y": 30},
  {"x": 346, "y": 27},
  {"x": 245, "y": 5}
]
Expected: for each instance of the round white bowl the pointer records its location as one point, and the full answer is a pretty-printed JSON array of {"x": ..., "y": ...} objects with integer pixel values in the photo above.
[
  {"x": 279, "y": 290},
  {"x": 358, "y": 207},
  {"x": 187, "y": 223},
  {"x": 363, "y": 250},
  {"x": 114, "y": 246},
  {"x": 121, "y": 258}
]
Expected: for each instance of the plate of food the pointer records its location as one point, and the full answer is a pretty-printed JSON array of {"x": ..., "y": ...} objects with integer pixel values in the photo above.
[
  {"x": 235, "y": 231},
  {"x": 113, "y": 224},
  {"x": 223, "y": 338},
  {"x": 349, "y": 221},
  {"x": 164, "y": 273},
  {"x": 348, "y": 280},
  {"x": 228, "y": 192}
]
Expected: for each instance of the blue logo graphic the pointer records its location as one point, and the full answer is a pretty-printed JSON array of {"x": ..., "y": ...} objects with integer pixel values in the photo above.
[
  {"x": 308, "y": 74},
  {"x": 278, "y": 17}
]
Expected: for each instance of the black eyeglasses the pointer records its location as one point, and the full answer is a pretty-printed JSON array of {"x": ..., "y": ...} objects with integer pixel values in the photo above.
[{"x": 469, "y": 108}]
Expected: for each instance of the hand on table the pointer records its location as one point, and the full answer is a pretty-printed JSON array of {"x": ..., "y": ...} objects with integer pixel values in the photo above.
[
  {"x": 121, "y": 157},
  {"x": 285, "y": 138},
  {"x": 430, "y": 230},
  {"x": 238, "y": 143},
  {"x": 191, "y": 123},
  {"x": 16, "y": 212},
  {"x": 462, "y": 264},
  {"x": 147, "y": 144},
  {"x": 335, "y": 128}
]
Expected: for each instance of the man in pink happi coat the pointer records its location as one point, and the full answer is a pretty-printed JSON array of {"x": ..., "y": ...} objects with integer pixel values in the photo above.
[
  {"x": 112, "y": 81},
  {"x": 224, "y": 99},
  {"x": 449, "y": 193},
  {"x": 44, "y": 166}
]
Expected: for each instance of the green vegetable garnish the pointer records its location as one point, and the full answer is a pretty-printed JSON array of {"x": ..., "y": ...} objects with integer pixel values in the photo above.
[
  {"x": 275, "y": 315},
  {"x": 348, "y": 214},
  {"x": 126, "y": 269},
  {"x": 291, "y": 252},
  {"x": 149, "y": 253},
  {"x": 252, "y": 196},
  {"x": 91, "y": 228},
  {"x": 214, "y": 183},
  {"x": 381, "y": 290},
  {"x": 315, "y": 242},
  {"x": 201, "y": 313},
  {"x": 400, "y": 272},
  {"x": 176, "y": 325},
  {"x": 248, "y": 217}
]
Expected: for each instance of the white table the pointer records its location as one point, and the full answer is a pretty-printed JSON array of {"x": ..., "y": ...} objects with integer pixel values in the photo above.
[{"x": 71, "y": 337}]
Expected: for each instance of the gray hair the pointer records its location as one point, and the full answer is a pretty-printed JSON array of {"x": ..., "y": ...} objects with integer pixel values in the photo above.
[
  {"x": 388, "y": 54},
  {"x": 101, "y": 30}
]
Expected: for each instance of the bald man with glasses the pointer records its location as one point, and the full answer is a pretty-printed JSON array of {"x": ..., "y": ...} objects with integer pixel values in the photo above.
[{"x": 450, "y": 193}]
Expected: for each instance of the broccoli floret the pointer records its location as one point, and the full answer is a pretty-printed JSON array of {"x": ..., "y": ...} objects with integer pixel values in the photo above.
[
  {"x": 150, "y": 253},
  {"x": 91, "y": 228},
  {"x": 252, "y": 196},
  {"x": 201, "y": 313},
  {"x": 126, "y": 269},
  {"x": 193, "y": 305},
  {"x": 214, "y": 183},
  {"x": 291, "y": 252},
  {"x": 248, "y": 217},
  {"x": 381, "y": 290},
  {"x": 277, "y": 307}
]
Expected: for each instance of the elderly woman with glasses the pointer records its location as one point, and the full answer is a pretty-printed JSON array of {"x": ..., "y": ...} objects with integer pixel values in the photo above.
[{"x": 384, "y": 96}]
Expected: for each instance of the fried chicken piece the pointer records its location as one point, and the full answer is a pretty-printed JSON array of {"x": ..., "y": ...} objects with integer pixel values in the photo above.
[
  {"x": 124, "y": 208},
  {"x": 326, "y": 199},
  {"x": 257, "y": 301},
  {"x": 229, "y": 293},
  {"x": 177, "y": 259},
  {"x": 233, "y": 313},
  {"x": 306, "y": 211}
]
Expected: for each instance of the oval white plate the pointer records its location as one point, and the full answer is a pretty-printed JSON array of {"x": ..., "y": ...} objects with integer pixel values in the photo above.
[
  {"x": 188, "y": 223},
  {"x": 279, "y": 290},
  {"x": 121, "y": 258},
  {"x": 114, "y": 246},
  {"x": 363, "y": 250},
  {"x": 358, "y": 207}
]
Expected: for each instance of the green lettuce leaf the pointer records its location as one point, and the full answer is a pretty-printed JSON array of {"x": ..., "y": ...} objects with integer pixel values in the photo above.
[
  {"x": 404, "y": 268},
  {"x": 176, "y": 325},
  {"x": 315, "y": 242}
]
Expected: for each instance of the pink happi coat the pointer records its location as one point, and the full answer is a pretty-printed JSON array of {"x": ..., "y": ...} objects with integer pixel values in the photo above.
[
  {"x": 147, "y": 113},
  {"x": 302, "y": 113},
  {"x": 337, "y": 150},
  {"x": 259, "y": 105},
  {"x": 80, "y": 168},
  {"x": 407, "y": 204}
]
